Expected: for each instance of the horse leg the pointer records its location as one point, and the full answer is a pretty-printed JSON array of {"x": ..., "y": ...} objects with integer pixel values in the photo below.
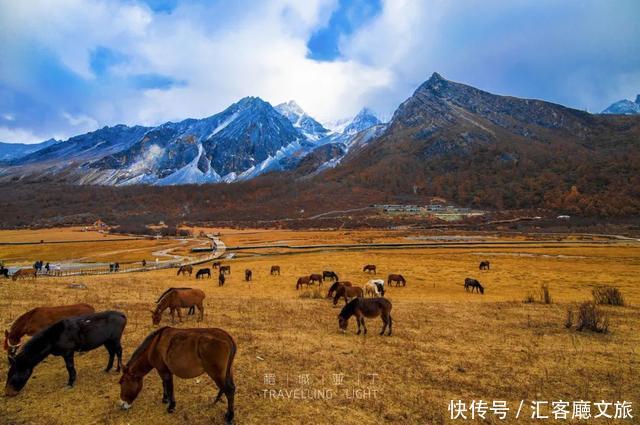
[
  {"x": 172, "y": 314},
  {"x": 201, "y": 310},
  {"x": 68, "y": 362},
  {"x": 358, "y": 322},
  {"x": 167, "y": 384},
  {"x": 118, "y": 348},
  {"x": 179, "y": 314},
  {"x": 226, "y": 386},
  {"x": 112, "y": 353},
  {"x": 384, "y": 323},
  {"x": 390, "y": 322},
  {"x": 363, "y": 325}
]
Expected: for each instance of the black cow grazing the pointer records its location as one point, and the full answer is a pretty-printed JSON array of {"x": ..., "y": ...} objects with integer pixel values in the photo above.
[
  {"x": 247, "y": 275},
  {"x": 203, "y": 272},
  {"x": 64, "y": 338},
  {"x": 221, "y": 279},
  {"x": 484, "y": 265},
  {"x": 327, "y": 274},
  {"x": 473, "y": 284}
]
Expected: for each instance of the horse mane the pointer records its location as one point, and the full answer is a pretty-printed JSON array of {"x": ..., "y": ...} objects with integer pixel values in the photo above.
[
  {"x": 145, "y": 344},
  {"x": 39, "y": 345},
  {"x": 334, "y": 287},
  {"x": 166, "y": 292},
  {"x": 349, "y": 309}
]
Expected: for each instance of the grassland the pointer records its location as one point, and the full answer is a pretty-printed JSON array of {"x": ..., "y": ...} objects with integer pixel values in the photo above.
[{"x": 447, "y": 344}]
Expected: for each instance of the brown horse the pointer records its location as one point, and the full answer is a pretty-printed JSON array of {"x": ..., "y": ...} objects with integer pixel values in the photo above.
[
  {"x": 335, "y": 286},
  {"x": 275, "y": 270},
  {"x": 331, "y": 275},
  {"x": 39, "y": 318},
  {"x": 347, "y": 291},
  {"x": 175, "y": 299},
  {"x": 369, "y": 268},
  {"x": 398, "y": 278},
  {"x": 248, "y": 275},
  {"x": 474, "y": 285},
  {"x": 484, "y": 265},
  {"x": 186, "y": 353},
  {"x": 304, "y": 280},
  {"x": 184, "y": 270},
  {"x": 216, "y": 264},
  {"x": 315, "y": 278},
  {"x": 24, "y": 274},
  {"x": 225, "y": 269},
  {"x": 369, "y": 308}
]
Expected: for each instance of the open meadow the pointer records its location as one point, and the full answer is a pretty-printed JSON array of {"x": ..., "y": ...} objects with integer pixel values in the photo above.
[{"x": 447, "y": 344}]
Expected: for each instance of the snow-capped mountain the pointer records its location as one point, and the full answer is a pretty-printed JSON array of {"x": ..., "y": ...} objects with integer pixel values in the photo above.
[
  {"x": 247, "y": 139},
  {"x": 624, "y": 107},
  {"x": 311, "y": 128},
  {"x": 244, "y": 137}
]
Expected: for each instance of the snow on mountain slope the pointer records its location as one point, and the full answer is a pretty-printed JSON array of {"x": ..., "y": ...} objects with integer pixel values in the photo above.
[{"x": 311, "y": 128}]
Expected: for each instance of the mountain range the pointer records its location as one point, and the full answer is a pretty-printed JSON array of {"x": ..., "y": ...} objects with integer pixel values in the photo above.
[
  {"x": 447, "y": 140},
  {"x": 247, "y": 139}
]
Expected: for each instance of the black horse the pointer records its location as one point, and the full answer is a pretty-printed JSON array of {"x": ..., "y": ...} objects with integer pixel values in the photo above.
[
  {"x": 330, "y": 275},
  {"x": 202, "y": 272},
  {"x": 474, "y": 285},
  {"x": 4, "y": 271},
  {"x": 221, "y": 279},
  {"x": 484, "y": 265},
  {"x": 64, "y": 338}
]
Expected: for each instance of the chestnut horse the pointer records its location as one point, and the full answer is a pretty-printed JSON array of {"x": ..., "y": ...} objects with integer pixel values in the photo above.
[
  {"x": 186, "y": 353},
  {"x": 369, "y": 268},
  {"x": 315, "y": 278},
  {"x": 398, "y": 278},
  {"x": 225, "y": 269},
  {"x": 304, "y": 280},
  {"x": 64, "y": 338},
  {"x": 184, "y": 270},
  {"x": 175, "y": 299},
  {"x": 216, "y": 264},
  {"x": 369, "y": 308},
  {"x": 275, "y": 270},
  {"x": 39, "y": 318},
  {"x": 347, "y": 291},
  {"x": 335, "y": 286},
  {"x": 23, "y": 274}
]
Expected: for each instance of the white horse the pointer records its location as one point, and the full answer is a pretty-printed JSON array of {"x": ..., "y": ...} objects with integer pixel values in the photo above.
[{"x": 374, "y": 287}]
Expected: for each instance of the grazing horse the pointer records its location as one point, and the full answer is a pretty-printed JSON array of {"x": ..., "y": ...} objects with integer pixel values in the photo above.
[
  {"x": 398, "y": 278},
  {"x": 335, "y": 286},
  {"x": 275, "y": 270},
  {"x": 304, "y": 280},
  {"x": 23, "y": 274},
  {"x": 315, "y": 278},
  {"x": 202, "y": 272},
  {"x": 369, "y": 268},
  {"x": 176, "y": 299},
  {"x": 4, "y": 272},
  {"x": 186, "y": 353},
  {"x": 39, "y": 318},
  {"x": 64, "y": 338},
  {"x": 484, "y": 265},
  {"x": 347, "y": 291},
  {"x": 369, "y": 308},
  {"x": 221, "y": 279},
  {"x": 473, "y": 284},
  {"x": 184, "y": 270},
  {"x": 225, "y": 269},
  {"x": 330, "y": 275},
  {"x": 216, "y": 265},
  {"x": 247, "y": 275},
  {"x": 375, "y": 288}
]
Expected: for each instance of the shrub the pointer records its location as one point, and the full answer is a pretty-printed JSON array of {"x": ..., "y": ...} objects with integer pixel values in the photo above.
[
  {"x": 591, "y": 318},
  {"x": 311, "y": 294},
  {"x": 545, "y": 295},
  {"x": 607, "y": 295}
]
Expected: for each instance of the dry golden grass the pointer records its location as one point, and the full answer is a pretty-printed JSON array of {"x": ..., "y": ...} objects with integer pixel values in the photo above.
[{"x": 447, "y": 344}]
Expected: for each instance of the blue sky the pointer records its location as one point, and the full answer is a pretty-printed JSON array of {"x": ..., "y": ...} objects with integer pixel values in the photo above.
[{"x": 71, "y": 66}]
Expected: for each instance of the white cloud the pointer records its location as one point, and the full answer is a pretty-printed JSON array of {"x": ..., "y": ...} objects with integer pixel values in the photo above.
[{"x": 18, "y": 135}]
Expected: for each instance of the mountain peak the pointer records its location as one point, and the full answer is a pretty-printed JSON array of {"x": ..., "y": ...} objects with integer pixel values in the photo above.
[{"x": 291, "y": 107}]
